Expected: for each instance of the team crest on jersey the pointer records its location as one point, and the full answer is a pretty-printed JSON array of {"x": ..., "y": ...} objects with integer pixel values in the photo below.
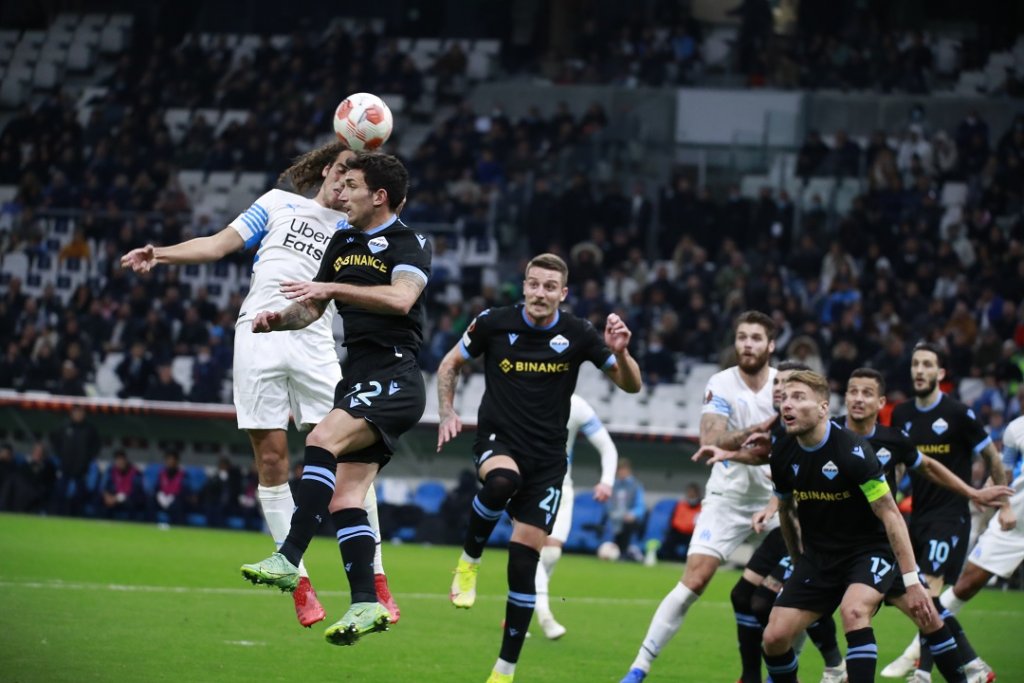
[
  {"x": 559, "y": 344},
  {"x": 858, "y": 451},
  {"x": 830, "y": 470},
  {"x": 377, "y": 244},
  {"x": 884, "y": 455},
  {"x": 940, "y": 426}
]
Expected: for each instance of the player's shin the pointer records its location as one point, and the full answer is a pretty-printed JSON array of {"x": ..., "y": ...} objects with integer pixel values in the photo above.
[
  {"x": 861, "y": 655},
  {"x": 277, "y": 505},
  {"x": 356, "y": 540},
  {"x": 782, "y": 668},
  {"x": 667, "y": 620},
  {"x": 823, "y": 634},
  {"x": 748, "y": 630},
  {"x": 942, "y": 647},
  {"x": 499, "y": 487},
  {"x": 522, "y": 569},
  {"x": 314, "y": 493}
]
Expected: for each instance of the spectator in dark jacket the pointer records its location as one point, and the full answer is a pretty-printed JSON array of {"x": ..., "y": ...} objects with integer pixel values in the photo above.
[{"x": 76, "y": 445}]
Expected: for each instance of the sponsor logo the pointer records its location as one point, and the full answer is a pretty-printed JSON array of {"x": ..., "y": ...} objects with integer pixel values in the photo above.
[
  {"x": 906, "y": 427},
  {"x": 559, "y": 344},
  {"x": 796, "y": 468},
  {"x": 342, "y": 224},
  {"x": 378, "y": 244},
  {"x": 421, "y": 239},
  {"x": 393, "y": 388},
  {"x": 708, "y": 397},
  {"x": 362, "y": 260},
  {"x": 935, "y": 448},
  {"x": 940, "y": 426},
  {"x": 858, "y": 451},
  {"x": 884, "y": 455},
  {"x": 305, "y": 239},
  {"x": 505, "y": 365},
  {"x": 830, "y": 470},
  {"x": 348, "y": 566},
  {"x": 822, "y": 496},
  {"x": 547, "y": 368},
  {"x": 512, "y": 336}
]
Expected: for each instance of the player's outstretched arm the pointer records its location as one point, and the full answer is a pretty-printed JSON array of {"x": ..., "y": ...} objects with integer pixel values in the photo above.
[
  {"x": 397, "y": 298},
  {"x": 790, "y": 527},
  {"x": 447, "y": 379},
  {"x": 714, "y": 432},
  {"x": 760, "y": 518},
  {"x": 625, "y": 373},
  {"x": 990, "y": 496},
  {"x": 294, "y": 317},
  {"x": 602, "y": 441},
  {"x": 199, "y": 250},
  {"x": 918, "y": 600}
]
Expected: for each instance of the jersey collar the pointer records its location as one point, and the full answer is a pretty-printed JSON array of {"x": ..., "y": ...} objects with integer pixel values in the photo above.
[
  {"x": 526, "y": 319},
  {"x": 817, "y": 446},
  {"x": 382, "y": 226},
  {"x": 931, "y": 407}
]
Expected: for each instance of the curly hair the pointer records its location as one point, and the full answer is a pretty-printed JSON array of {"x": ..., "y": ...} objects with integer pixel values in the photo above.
[{"x": 306, "y": 171}]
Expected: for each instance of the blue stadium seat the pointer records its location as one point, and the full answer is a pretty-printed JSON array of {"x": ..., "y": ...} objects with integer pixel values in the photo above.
[
  {"x": 658, "y": 519},
  {"x": 588, "y": 524},
  {"x": 151, "y": 476},
  {"x": 502, "y": 533},
  {"x": 195, "y": 478},
  {"x": 429, "y": 495}
]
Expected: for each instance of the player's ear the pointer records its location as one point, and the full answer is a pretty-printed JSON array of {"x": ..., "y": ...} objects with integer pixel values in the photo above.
[
  {"x": 881, "y": 400},
  {"x": 942, "y": 374},
  {"x": 565, "y": 293},
  {"x": 771, "y": 346}
]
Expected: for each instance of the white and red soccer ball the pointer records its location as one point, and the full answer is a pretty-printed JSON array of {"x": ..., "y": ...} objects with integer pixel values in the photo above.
[{"x": 363, "y": 121}]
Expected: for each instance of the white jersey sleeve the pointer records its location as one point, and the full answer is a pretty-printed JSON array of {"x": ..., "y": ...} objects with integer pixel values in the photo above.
[
  {"x": 728, "y": 395},
  {"x": 1013, "y": 450},
  {"x": 582, "y": 418},
  {"x": 290, "y": 233}
]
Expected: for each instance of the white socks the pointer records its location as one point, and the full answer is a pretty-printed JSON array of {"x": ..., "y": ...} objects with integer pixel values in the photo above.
[
  {"x": 667, "y": 620},
  {"x": 370, "y": 505},
  {"x": 278, "y": 506},
  {"x": 549, "y": 555},
  {"x": 951, "y": 602},
  {"x": 504, "y": 668}
]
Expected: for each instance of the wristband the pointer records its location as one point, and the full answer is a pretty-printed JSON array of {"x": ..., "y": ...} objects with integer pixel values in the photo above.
[{"x": 911, "y": 579}]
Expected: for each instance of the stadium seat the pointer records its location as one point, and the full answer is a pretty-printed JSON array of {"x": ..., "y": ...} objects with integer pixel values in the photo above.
[
  {"x": 588, "y": 524},
  {"x": 658, "y": 519},
  {"x": 151, "y": 476},
  {"x": 430, "y": 495}
]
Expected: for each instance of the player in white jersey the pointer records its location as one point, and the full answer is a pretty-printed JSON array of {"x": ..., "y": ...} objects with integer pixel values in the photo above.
[
  {"x": 582, "y": 418},
  {"x": 276, "y": 373},
  {"x": 1000, "y": 548},
  {"x": 737, "y": 403}
]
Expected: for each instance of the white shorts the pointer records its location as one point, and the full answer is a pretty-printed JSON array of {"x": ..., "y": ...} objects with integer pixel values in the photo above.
[
  {"x": 280, "y": 372},
  {"x": 563, "y": 520},
  {"x": 724, "y": 524},
  {"x": 998, "y": 551}
]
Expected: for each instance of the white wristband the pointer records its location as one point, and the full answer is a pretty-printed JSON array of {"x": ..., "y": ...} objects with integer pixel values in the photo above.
[{"x": 911, "y": 579}]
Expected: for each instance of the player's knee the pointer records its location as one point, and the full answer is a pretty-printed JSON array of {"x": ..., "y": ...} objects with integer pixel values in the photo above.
[
  {"x": 776, "y": 640},
  {"x": 502, "y": 483},
  {"x": 741, "y": 596},
  {"x": 550, "y": 554},
  {"x": 761, "y": 603},
  {"x": 522, "y": 568},
  {"x": 854, "y": 617}
]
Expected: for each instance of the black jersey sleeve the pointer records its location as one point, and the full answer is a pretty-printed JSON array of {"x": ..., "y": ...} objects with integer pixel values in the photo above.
[
  {"x": 859, "y": 464},
  {"x": 415, "y": 259},
  {"x": 594, "y": 348},
  {"x": 905, "y": 451},
  {"x": 974, "y": 434},
  {"x": 474, "y": 339}
]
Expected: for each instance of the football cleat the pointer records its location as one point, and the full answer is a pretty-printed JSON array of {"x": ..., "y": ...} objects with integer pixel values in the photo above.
[
  {"x": 361, "y": 619},
  {"x": 552, "y": 629},
  {"x": 307, "y": 607},
  {"x": 919, "y": 676},
  {"x": 977, "y": 671},
  {"x": 276, "y": 570},
  {"x": 834, "y": 674},
  {"x": 902, "y": 666},
  {"x": 634, "y": 676},
  {"x": 496, "y": 677},
  {"x": 463, "y": 593},
  {"x": 384, "y": 597}
]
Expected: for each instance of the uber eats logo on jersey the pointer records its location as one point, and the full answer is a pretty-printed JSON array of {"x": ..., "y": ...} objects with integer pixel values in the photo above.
[
  {"x": 360, "y": 260},
  {"x": 302, "y": 237},
  {"x": 507, "y": 366}
]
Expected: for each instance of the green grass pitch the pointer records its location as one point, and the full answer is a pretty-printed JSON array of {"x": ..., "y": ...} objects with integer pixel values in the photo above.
[{"x": 96, "y": 601}]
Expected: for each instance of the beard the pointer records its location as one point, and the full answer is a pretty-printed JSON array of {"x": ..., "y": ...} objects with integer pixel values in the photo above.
[
  {"x": 929, "y": 388},
  {"x": 752, "y": 366}
]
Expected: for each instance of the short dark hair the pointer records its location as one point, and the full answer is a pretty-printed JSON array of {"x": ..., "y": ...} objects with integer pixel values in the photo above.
[
  {"x": 383, "y": 172},
  {"x": 757, "y": 318},
  {"x": 549, "y": 262},
  {"x": 791, "y": 366},
  {"x": 870, "y": 373},
  {"x": 939, "y": 352}
]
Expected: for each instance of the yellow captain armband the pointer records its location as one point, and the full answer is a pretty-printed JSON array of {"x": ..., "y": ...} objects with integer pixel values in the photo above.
[{"x": 874, "y": 489}]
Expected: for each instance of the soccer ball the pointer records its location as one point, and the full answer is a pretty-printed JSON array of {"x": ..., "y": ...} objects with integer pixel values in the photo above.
[
  {"x": 363, "y": 121},
  {"x": 608, "y": 551}
]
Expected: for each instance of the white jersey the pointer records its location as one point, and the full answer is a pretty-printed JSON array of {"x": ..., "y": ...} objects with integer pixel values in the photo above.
[
  {"x": 728, "y": 395},
  {"x": 1013, "y": 454},
  {"x": 292, "y": 233},
  {"x": 582, "y": 418}
]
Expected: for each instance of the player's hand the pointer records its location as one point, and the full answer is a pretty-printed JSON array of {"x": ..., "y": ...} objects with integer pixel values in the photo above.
[
  {"x": 266, "y": 321},
  {"x": 602, "y": 492},
  {"x": 448, "y": 429},
  {"x": 759, "y": 444},
  {"x": 919, "y": 602},
  {"x": 713, "y": 454},
  {"x": 140, "y": 260},
  {"x": 306, "y": 291},
  {"x": 766, "y": 426},
  {"x": 992, "y": 496},
  {"x": 759, "y": 520},
  {"x": 1007, "y": 518},
  {"x": 616, "y": 334}
]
